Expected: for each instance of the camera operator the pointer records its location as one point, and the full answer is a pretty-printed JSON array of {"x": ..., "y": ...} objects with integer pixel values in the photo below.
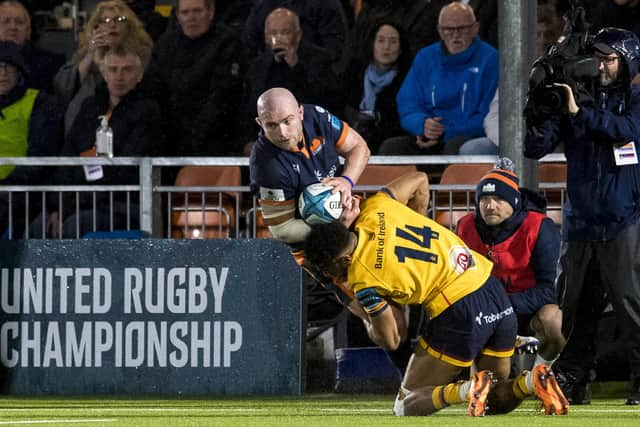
[{"x": 601, "y": 228}]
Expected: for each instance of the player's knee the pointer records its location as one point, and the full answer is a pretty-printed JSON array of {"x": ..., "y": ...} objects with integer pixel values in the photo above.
[
  {"x": 547, "y": 324},
  {"x": 548, "y": 320}
]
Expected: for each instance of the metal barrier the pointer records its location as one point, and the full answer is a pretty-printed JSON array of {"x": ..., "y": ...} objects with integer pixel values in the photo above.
[{"x": 165, "y": 211}]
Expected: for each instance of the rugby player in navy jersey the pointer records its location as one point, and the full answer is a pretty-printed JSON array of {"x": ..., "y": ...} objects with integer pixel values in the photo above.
[{"x": 300, "y": 145}]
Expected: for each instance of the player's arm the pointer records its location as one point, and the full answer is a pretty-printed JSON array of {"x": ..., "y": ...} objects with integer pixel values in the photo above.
[
  {"x": 356, "y": 153},
  {"x": 385, "y": 322},
  {"x": 412, "y": 189},
  {"x": 281, "y": 219}
]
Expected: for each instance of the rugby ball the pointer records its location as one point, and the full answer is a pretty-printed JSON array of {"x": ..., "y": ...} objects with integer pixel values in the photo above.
[{"x": 317, "y": 204}]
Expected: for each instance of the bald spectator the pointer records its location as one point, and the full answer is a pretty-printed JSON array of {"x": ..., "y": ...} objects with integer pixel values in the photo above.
[
  {"x": 289, "y": 65},
  {"x": 40, "y": 65},
  {"x": 323, "y": 22},
  {"x": 197, "y": 76},
  {"x": 447, "y": 92}
]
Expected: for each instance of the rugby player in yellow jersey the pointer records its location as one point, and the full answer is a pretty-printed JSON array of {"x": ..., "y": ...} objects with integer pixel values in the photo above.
[{"x": 395, "y": 256}]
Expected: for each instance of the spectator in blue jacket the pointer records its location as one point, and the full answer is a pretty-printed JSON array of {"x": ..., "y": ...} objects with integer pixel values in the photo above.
[
  {"x": 602, "y": 223},
  {"x": 447, "y": 92},
  {"x": 511, "y": 228}
]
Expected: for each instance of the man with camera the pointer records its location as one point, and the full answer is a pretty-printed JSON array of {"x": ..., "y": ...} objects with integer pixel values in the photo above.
[{"x": 601, "y": 227}]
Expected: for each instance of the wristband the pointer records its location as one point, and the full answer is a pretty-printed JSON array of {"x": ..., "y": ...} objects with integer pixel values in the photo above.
[{"x": 348, "y": 180}]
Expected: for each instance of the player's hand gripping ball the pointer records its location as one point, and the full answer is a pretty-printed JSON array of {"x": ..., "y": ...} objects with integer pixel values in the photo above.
[{"x": 317, "y": 204}]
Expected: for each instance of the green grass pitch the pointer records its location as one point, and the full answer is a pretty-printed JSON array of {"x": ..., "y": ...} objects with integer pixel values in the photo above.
[{"x": 306, "y": 411}]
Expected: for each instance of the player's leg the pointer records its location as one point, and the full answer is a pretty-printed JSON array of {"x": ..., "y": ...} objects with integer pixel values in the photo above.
[
  {"x": 427, "y": 387},
  {"x": 496, "y": 353},
  {"x": 546, "y": 325},
  {"x": 502, "y": 398},
  {"x": 452, "y": 341},
  {"x": 507, "y": 394}
]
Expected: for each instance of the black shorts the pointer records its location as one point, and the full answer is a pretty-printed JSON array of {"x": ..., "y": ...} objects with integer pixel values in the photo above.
[{"x": 481, "y": 322}]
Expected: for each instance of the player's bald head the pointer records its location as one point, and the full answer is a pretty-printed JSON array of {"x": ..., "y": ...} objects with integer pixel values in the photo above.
[
  {"x": 280, "y": 118},
  {"x": 274, "y": 99}
]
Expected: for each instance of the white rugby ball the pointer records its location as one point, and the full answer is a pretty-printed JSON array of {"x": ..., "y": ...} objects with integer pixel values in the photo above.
[{"x": 317, "y": 204}]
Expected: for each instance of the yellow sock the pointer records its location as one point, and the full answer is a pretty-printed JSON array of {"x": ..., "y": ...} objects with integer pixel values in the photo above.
[
  {"x": 519, "y": 386},
  {"x": 452, "y": 393},
  {"x": 443, "y": 396},
  {"x": 437, "y": 397}
]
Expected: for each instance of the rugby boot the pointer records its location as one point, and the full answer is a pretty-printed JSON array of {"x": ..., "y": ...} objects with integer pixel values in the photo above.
[
  {"x": 549, "y": 392},
  {"x": 480, "y": 387}
]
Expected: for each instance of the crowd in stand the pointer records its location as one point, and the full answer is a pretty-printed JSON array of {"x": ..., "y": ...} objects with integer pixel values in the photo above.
[{"x": 377, "y": 64}]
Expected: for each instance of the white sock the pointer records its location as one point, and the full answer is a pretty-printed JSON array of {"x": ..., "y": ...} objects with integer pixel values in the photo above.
[
  {"x": 540, "y": 361},
  {"x": 398, "y": 405},
  {"x": 528, "y": 381},
  {"x": 464, "y": 390}
]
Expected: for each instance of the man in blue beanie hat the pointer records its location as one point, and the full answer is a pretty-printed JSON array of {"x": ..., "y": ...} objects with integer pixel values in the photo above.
[{"x": 510, "y": 227}]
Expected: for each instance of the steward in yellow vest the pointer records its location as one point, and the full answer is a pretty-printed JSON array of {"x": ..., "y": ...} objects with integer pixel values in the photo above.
[{"x": 30, "y": 125}]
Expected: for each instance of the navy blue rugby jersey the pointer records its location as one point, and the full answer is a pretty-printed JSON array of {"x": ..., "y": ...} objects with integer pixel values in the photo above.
[{"x": 278, "y": 175}]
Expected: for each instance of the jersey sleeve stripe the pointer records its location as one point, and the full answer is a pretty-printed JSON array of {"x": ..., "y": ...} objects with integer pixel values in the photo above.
[{"x": 343, "y": 135}]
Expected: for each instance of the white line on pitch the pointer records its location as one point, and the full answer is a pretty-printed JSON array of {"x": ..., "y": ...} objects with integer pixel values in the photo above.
[{"x": 9, "y": 423}]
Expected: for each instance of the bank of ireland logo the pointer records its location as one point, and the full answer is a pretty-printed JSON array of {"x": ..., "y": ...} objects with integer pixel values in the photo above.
[
  {"x": 459, "y": 258},
  {"x": 479, "y": 318}
]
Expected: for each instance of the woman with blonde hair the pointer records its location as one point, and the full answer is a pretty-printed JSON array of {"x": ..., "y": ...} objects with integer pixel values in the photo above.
[{"x": 112, "y": 23}]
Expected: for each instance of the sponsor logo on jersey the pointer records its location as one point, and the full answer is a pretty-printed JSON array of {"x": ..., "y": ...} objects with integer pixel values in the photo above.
[
  {"x": 460, "y": 259},
  {"x": 316, "y": 146},
  {"x": 335, "y": 122},
  {"x": 474, "y": 70},
  {"x": 320, "y": 110},
  {"x": 273, "y": 194}
]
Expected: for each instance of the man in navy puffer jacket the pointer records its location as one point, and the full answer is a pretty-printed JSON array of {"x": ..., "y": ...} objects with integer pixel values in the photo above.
[{"x": 601, "y": 228}]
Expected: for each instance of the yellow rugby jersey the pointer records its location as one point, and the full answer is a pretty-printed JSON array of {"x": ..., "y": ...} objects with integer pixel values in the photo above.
[{"x": 411, "y": 259}]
